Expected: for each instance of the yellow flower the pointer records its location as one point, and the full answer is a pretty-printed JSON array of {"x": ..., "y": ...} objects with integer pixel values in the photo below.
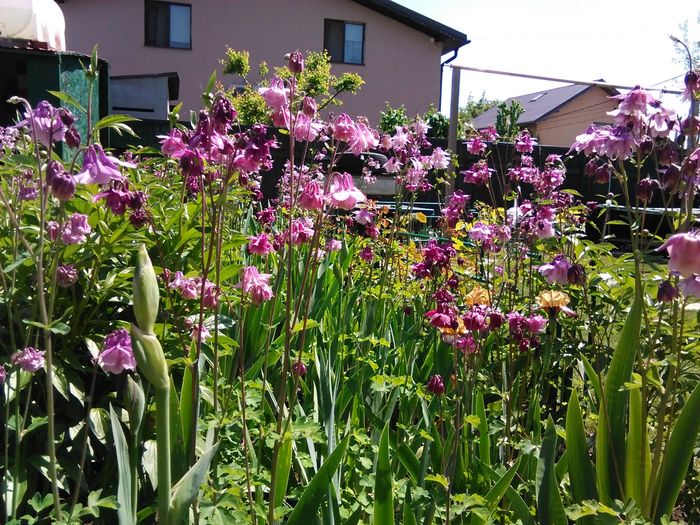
[
  {"x": 552, "y": 299},
  {"x": 478, "y": 295},
  {"x": 450, "y": 335}
]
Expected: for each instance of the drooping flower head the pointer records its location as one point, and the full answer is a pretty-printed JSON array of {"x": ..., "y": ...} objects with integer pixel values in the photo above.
[
  {"x": 342, "y": 192},
  {"x": 45, "y": 122},
  {"x": 76, "y": 229},
  {"x": 557, "y": 271},
  {"x": 100, "y": 168},
  {"x": 30, "y": 359},
  {"x": 256, "y": 285},
  {"x": 117, "y": 354},
  {"x": 684, "y": 253}
]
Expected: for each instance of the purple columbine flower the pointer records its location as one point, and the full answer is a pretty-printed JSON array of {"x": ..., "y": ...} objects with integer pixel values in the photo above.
[
  {"x": 117, "y": 354},
  {"x": 557, "y": 271},
  {"x": 30, "y": 359},
  {"x": 76, "y": 229},
  {"x": 100, "y": 168},
  {"x": 3, "y": 375},
  {"x": 66, "y": 275},
  {"x": 45, "y": 122}
]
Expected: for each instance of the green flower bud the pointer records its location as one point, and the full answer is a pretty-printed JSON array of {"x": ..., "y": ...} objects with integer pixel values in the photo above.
[
  {"x": 150, "y": 358},
  {"x": 135, "y": 402},
  {"x": 146, "y": 293}
]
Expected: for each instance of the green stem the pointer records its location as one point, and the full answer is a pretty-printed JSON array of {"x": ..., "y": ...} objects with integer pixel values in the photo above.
[{"x": 163, "y": 452}]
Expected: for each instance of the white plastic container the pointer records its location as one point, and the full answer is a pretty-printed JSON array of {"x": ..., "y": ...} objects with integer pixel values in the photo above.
[{"x": 40, "y": 20}]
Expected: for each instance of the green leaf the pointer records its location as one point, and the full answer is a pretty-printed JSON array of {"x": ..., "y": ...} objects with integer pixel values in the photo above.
[
  {"x": 127, "y": 507},
  {"x": 383, "y": 496},
  {"x": 678, "y": 454},
  {"x": 408, "y": 517},
  {"x": 484, "y": 440},
  {"x": 550, "y": 509},
  {"x": 494, "y": 496},
  {"x": 638, "y": 459},
  {"x": 112, "y": 121},
  {"x": 520, "y": 508},
  {"x": 68, "y": 99},
  {"x": 305, "y": 325},
  {"x": 184, "y": 492},
  {"x": 581, "y": 472},
  {"x": 284, "y": 465},
  {"x": 317, "y": 489},
  {"x": 610, "y": 440},
  {"x": 409, "y": 461}
]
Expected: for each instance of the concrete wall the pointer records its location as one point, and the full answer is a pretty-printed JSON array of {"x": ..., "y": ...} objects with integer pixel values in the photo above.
[
  {"x": 572, "y": 119},
  {"x": 402, "y": 65}
]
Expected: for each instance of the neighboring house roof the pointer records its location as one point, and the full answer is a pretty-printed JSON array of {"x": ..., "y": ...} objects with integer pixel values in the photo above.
[
  {"x": 537, "y": 105},
  {"x": 451, "y": 38}
]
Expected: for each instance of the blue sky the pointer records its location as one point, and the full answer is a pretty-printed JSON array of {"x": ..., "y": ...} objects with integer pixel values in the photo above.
[{"x": 622, "y": 41}]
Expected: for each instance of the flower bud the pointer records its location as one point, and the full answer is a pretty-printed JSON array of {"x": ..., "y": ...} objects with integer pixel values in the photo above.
[
  {"x": 645, "y": 189},
  {"x": 666, "y": 292},
  {"x": 299, "y": 368},
  {"x": 150, "y": 358},
  {"x": 435, "y": 385},
  {"x": 135, "y": 403},
  {"x": 63, "y": 186},
  {"x": 296, "y": 62},
  {"x": 590, "y": 168},
  {"x": 54, "y": 167},
  {"x": 576, "y": 274},
  {"x": 72, "y": 138},
  {"x": 146, "y": 293}
]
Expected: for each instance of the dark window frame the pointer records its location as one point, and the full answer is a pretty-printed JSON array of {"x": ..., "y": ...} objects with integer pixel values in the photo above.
[
  {"x": 153, "y": 41},
  {"x": 327, "y": 22}
]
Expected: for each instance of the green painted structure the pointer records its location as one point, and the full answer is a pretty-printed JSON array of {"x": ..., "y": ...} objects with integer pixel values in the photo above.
[{"x": 28, "y": 71}]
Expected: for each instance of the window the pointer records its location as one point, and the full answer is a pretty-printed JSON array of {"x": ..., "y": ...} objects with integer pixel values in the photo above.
[
  {"x": 168, "y": 24},
  {"x": 344, "y": 41}
]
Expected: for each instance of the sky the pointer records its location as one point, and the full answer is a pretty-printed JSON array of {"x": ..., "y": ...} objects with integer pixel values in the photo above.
[{"x": 621, "y": 41}]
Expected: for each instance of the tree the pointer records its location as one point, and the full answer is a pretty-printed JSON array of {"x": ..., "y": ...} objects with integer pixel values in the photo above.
[{"x": 472, "y": 109}]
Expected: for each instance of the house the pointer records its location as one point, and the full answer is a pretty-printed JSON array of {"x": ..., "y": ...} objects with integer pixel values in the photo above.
[
  {"x": 396, "y": 50},
  {"x": 556, "y": 116}
]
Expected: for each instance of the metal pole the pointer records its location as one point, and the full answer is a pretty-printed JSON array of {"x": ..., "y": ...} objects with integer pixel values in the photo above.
[
  {"x": 562, "y": 80},
  {"x": 452, "y": 134}
]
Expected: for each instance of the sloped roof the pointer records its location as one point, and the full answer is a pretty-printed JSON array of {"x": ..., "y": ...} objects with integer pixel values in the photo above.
[
  {"x": 537, "y": 105},
  {"x": 451, "y": 38}
]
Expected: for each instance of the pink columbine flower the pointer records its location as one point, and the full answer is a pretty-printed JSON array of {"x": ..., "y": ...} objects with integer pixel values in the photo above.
[
  {"x": 363, "y": 139},
  {"x": 536, "y": 323},
  {"x": 260, "y": 244},
  {"x": 311, "y": 197},
  {"x": 30, "y": 359},
  {"x": 204, "y": 333},
  {"x": 333, "y": 245},
  {"x": 210, "y": 298},
  {"x": 76, "y": 229},
  {"x": 363, "y": 217},
  {"x": 173, "y": 144},
  {"x": 557, "y": 271},
  {"x": 117, "y": 354},
  {"x": 342, "y": 192},
  {"x": 475, "y": 146},
  {"x": 306, "y": 128},
  {"x": 684, "y": 253},
  {"x": 524, "y": 143},
  {"x": 343, "y": 128},
  {"x": 302, "y": 231},
  {"x": 100, "y": 168},
  {"x": 256, "y": 285},
  {"x": 690, "y": 286},
  {"x": 366, "y": 254},
  {"x": 440, "y": 159}
]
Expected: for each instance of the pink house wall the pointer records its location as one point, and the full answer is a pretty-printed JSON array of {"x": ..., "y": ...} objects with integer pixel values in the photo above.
[{"x": 402, "y": 65}]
